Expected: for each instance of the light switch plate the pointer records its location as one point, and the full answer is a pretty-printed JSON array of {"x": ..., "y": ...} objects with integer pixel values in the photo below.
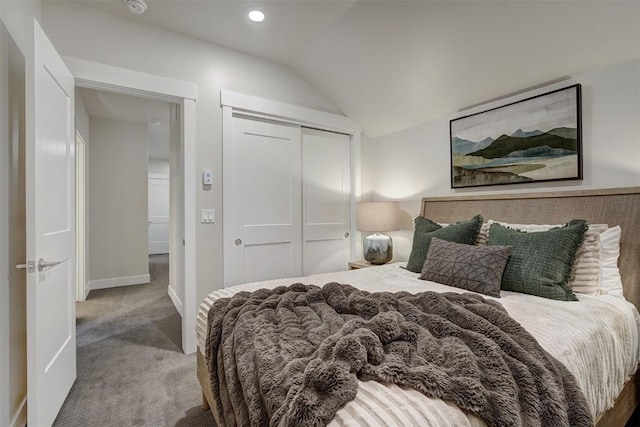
[
  {"x": 208, "y": 216},
  {"x": 207, "y": 177}
]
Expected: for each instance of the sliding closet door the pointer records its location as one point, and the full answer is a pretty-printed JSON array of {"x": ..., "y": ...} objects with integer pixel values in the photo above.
[
  {"x": 326, "y": 201},
  {"x": 263, "y": 233}
]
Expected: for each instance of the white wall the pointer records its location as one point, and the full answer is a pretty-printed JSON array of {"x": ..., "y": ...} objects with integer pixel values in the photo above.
[
  {"x": 13, "y": 328},
  {"x": 86, "y": 33},
  {"x": 159, "y": 166},
  {"x": 414, "y": 163},
  {"x": 117, "y": 169},
  {"x": 17, "y": 16}
]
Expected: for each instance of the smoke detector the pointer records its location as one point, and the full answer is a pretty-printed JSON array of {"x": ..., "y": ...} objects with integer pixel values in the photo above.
[{"x": 136, "y": 6}]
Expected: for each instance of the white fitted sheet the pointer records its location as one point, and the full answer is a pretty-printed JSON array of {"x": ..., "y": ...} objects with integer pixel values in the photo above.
[{"x": 596, "y": 338}]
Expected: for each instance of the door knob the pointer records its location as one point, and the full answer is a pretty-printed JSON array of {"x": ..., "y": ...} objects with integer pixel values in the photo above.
[
  {"x": 30, "y": 266},
  {"x": 238, "y": 242},
  {"x": 42, "y": 264},
  {"x": 346, "y": 234}
]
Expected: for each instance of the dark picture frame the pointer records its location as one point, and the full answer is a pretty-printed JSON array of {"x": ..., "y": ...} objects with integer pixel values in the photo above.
[{"x": 535, "y": 139}]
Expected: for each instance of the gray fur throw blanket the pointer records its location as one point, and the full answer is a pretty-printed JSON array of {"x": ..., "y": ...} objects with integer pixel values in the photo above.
[{"x": 292, "y": 356}]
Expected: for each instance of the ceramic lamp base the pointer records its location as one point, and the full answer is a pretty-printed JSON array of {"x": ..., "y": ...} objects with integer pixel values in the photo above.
[{"x": 377, "y": 248}]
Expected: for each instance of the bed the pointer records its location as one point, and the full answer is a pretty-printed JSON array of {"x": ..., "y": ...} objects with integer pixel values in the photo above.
[{"x": 611, "y": 391}]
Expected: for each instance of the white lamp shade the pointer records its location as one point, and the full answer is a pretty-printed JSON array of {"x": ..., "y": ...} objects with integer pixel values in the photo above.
[{"x": 378, "y": 216}]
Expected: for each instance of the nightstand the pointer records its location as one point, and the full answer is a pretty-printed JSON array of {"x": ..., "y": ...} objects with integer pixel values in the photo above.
[{"x": 357, "y": 265}]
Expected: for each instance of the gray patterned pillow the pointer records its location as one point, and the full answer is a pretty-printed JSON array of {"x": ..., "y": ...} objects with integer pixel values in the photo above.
[{"x": 474, "y": 268}]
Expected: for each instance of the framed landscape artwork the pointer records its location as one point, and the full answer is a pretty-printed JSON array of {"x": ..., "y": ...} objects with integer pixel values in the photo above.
[{"x": 536, "y": 139}]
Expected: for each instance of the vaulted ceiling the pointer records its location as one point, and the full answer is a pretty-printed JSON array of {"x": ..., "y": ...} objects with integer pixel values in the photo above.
[{"x": 392, "y": 64}]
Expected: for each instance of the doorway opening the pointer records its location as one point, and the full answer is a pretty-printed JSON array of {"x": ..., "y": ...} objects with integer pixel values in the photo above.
[
  {"x": 92, "y": 75},
  {"x": 128, "y": 192}
]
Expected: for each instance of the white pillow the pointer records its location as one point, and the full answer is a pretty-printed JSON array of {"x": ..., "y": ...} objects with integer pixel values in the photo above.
[
  {"x": 586, "y": 272},
  {"x": 609, "y": 253},
  {"x": 483, "y": 235}
]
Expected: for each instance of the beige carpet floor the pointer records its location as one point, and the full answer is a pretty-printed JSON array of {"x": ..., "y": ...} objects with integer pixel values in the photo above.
[{"x": 131, "y": 370}]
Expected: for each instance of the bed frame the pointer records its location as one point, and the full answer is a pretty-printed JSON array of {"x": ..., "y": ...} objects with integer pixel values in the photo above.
[{"x": 620, "y": 206}]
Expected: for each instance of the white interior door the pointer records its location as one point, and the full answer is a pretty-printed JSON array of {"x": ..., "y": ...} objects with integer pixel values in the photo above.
[
  {"x": 263, "y": 231},
  {"x": 50, "y": 200},
  {"x": 158, "y": 215},
  {"x": 326, "y": 169}
]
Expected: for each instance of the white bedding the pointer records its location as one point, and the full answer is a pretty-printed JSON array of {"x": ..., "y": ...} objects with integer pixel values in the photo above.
[{"x": 596, "y": 339}]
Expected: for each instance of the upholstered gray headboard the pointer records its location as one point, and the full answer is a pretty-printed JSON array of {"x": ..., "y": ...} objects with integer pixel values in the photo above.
[{"x": 619, "y": 206}]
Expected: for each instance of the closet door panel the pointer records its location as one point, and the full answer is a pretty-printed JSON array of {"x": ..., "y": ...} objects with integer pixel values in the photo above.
[
  {"x": 326, "y": 201},
  {"x": 324, "y": 256},
  {"x": 267, "y": 174},
  {"x": 268, "y": 261},
  {"x": 264, "y": 241}
]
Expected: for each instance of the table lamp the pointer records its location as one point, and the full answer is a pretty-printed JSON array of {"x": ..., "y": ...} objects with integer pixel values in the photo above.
[{"x": 377, "y": 217}]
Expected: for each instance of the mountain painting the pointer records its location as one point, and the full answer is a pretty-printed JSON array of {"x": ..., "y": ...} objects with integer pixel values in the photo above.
[{"x": 535, "y": 139}]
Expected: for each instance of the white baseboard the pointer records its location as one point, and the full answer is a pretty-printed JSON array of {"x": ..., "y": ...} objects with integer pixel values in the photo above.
[
  {"x": 175, "y": 299},
  {"x": 87, "y": 288},
  {"x": 20, "y": 418},
  {"x": 118, "y": 281}
]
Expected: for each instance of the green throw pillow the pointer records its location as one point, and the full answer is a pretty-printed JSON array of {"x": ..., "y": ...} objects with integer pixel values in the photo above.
[
  {"x": 540, "y": 263},
  {"x": 461, "y": 232}
]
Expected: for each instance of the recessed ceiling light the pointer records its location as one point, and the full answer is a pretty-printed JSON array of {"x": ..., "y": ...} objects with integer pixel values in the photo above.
[
  {"x": 136, "y": 6},
  {"x": 256, "y": 15}
]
